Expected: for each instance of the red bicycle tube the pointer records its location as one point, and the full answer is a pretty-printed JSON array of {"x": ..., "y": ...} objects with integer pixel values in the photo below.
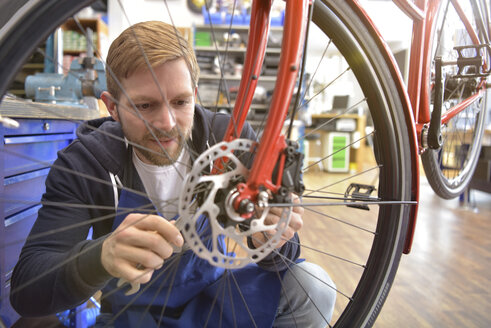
[
  {"x": 246, "y": 192},
  {"x": 416, "y": 60},
  {"x": 256, "y": 46},
  {"x": 256, "y": 49},
  {"x": 422, "y": 109},
  {"x": 269, "y": 147}
]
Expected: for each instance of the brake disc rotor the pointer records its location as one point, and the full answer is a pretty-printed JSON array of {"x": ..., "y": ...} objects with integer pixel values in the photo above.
[{"x": 211, "y": 226}]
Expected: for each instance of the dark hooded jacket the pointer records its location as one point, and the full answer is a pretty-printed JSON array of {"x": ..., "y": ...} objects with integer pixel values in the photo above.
[{"x": 59, "y": 268}]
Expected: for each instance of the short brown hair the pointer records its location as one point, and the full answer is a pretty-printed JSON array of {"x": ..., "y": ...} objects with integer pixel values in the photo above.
[{"x": 153, "y": 40}]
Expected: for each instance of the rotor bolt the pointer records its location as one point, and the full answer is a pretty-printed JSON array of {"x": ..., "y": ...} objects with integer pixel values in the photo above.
[
  {"x": 262, "y": 199},
  {"x": 246, "y": 206}
]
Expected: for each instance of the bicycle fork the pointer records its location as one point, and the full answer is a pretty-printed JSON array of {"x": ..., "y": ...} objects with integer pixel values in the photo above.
[{"x": 273, "y": 156}]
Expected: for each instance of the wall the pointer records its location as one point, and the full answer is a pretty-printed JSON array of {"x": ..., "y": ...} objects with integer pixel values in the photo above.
[
  {"x": 395, "y": 27},
  {"x": 135, "y": 11}
]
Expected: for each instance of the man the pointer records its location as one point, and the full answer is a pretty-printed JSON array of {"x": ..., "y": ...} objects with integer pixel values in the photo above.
[{"x": 114, "y": 176}]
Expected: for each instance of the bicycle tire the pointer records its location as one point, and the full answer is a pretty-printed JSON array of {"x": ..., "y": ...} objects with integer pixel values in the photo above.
[
  {"x": 391, "y": 141},
  {"x": 450, "y": 168},
  {"x": 384, "y": 257}
]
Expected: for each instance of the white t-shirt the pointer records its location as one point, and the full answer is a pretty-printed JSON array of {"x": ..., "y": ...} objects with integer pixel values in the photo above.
[{"x": 163, "y": 183}]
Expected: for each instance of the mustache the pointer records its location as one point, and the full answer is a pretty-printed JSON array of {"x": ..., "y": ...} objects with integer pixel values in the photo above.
[{"x": 172, "y": 134}]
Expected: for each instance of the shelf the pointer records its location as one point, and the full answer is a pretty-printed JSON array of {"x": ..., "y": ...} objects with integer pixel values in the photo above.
[
  {"x": 232, "y": 49},
  {"x": 233, "y": 28},
  {"x": 231, "y": 106},
  {"x": 39, "y": 66},
  {"x": 217, "y": 77},
  {"x": 229, "y": 44},
  {"x": 100, "y": 29}
]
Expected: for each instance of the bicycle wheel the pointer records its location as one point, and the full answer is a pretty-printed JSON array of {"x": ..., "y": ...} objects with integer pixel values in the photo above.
[
  {"x": 450, "y": 168},
  {"x": 357, "y": 195}
]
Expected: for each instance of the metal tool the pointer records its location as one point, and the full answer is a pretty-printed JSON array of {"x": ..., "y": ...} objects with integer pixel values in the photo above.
[{"x": 135, "y": 286}]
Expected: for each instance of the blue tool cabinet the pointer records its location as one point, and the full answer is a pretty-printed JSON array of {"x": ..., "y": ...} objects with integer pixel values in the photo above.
[{"x": 26, "y": 154}]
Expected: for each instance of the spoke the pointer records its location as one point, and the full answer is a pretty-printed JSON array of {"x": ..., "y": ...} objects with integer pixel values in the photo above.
[
  {"x": 167, "y": 297},
  {"x": 86, "y": 249},
  {"x": 340, "y": 220},
  {"x": 345, "y": 179},
  {"x": 221, "y": 66},
  {"x": 345, "y": 198},
  {"x": 229, "y": 285},
  {"x": 56, "y": 114},
  {"x": 311, "y": 191},
  {"x": 383, "y": 202},
  {"x": 221, "y": 62},
  {"x": 328, "y": 85},
  {"x": 215, "y": 298},
  {"x": 285, "y": 259},
  {"x": 343, "y": 112},
  {"x": 440, "y": 32},
  {"x": 170, "y": 267},
  {"x": 338, "y": 150},
  {"x": 326, "y": 253},
  {"x": 290, "y": 262},
  {"x": 77, "y": 173},
  {"x": 283, "y": 290},
  {"x": 169, "y": 273},
  {"x": 150, "y": 128},
  {"x": 318, "y": 65},
  {"x": 301, "y": 73}
]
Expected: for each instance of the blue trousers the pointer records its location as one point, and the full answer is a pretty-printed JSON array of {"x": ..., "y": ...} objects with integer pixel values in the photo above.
[{"x": 307, "y": 299}]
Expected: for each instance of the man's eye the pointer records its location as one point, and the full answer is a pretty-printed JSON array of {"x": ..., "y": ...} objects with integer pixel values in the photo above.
[
  {"x": 181, "y": 102},
  {"x": 144, "y": 106}
]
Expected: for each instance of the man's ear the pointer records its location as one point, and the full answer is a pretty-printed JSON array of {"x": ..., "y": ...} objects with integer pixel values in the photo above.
[{"x": 110, "y": 103}]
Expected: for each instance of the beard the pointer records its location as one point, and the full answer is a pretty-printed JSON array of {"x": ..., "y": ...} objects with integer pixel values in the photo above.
[{"x": 155, "y": 153}]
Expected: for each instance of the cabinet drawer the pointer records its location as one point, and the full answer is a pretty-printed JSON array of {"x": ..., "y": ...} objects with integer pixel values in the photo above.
[
  {"x": 17, "y": 227},
  {"x": 27, "y": 153},
  {"x": 34, "y": 144},
  {"x": 38, "y": 126},
  {"x": 23, "y": 191}
]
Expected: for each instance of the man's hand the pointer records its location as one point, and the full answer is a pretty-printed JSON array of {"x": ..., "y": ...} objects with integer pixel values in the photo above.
[
  {"x": 273, "y": 217},
  {"x": 139, "y": 246}
]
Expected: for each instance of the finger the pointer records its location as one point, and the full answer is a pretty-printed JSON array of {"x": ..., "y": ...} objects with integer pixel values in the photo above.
[
  {"x": 130, "y": 273},
  {"x": 296, "y": 222},
  {"x": 162, "y": 226},
  {"x": 288, "y": 234},
  {"x": 135, "y": 237},
  {"x": 276, "y": 211},
  {"x": 296, "y": 200},
  {"x": 145, "y": 257},
  {"x": 271, "y": 219}
]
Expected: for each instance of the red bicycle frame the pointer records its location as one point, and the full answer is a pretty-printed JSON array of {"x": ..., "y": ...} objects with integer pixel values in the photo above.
[
  {"x": 272, "y": 141},
  {"x": 421, "y": 60},
  {"x": 423, "y": 13},
  {"x": 415, "y": 98}
]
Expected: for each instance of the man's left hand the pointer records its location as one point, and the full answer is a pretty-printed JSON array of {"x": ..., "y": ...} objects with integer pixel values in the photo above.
[{"x": 273, "y": 217}]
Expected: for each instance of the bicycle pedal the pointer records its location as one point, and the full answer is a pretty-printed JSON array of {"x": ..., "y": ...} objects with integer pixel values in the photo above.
[
  {"x": 473, "y": 64},
  {"x": 360, "y": 192}
]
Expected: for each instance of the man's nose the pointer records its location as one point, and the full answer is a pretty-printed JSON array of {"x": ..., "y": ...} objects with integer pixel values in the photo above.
[{"x": 165, "y": 118}]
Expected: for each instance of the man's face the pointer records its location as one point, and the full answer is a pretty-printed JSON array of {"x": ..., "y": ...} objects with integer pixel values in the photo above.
[{"x": 167, "y": 108}]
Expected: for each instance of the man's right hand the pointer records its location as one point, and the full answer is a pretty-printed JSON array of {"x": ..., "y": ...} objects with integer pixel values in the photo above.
[{"x": 139, "y": 246}]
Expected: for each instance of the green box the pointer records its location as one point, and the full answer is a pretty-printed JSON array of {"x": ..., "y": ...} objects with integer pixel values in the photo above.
[
  {"x": 338, "y": 148},
  {"x": 202, "y": 39}
]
